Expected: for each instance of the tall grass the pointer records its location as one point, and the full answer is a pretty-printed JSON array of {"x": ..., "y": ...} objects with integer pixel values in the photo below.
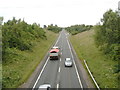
[
  {"x": 21, "y": 64},
  {"x": 100, "y": 65}
]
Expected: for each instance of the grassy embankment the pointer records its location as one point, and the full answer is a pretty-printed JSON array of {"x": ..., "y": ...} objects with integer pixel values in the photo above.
[
  {"x": 101, "y": 67},
  {"x": 0, "y": 57},
  {"x": 18, "y": 70}
]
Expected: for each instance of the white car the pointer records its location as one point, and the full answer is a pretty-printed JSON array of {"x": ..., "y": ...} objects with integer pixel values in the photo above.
[
  {"x": 44, "y": 87},
  {"x": 68, "y": 62}
]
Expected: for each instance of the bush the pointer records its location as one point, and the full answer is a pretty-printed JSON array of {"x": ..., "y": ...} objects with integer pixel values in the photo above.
[{"x": 18, "y": 34}]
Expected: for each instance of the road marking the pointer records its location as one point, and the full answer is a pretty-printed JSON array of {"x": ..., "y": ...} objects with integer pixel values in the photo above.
[
  {"x": 75, "y": 66},
  {"x": 61, "y": 53},
  {"x": 44, "y": 66},
  {"x": 58, "y": 39},
  {"x": 59, "y": 69},
  {"x": 60, "y": 59},
  {"x": 57, "y": 86},
  {"x": 40, "y": 73}
]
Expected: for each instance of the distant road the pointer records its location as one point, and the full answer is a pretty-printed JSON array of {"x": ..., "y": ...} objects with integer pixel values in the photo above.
[{"x": 56, "y": 74}]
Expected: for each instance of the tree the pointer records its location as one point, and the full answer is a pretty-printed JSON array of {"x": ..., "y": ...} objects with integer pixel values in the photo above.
[
  {"x": 74, "y": 29},
  {"x": 18, "y": 34},
  {"x": 107, "y": 35},
  {"x": 55, "y": 28},
  {"x": 44, "y": 26},
  {"x": 1, "y": 20}
]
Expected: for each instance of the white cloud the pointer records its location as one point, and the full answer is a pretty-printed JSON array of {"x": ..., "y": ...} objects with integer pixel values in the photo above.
[{"x": 60, "y": 12}]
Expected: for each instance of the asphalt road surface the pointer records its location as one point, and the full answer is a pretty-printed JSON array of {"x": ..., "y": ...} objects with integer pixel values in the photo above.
[{"x": 55, "y": 73}]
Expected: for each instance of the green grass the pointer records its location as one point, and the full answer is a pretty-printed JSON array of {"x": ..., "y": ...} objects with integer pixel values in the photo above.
[
  {"x": 0, "y": 57},
  {"x": 100, "y": 65},
  {"x": 21, "y": 64}
]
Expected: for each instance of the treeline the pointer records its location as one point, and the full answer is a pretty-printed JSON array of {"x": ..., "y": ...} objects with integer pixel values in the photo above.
[
  {"x": 18, "y": 34},
  {"x": 1, "y": 20},
  {"x": 53, "y": 28},
  {"x": 75, "y": 29},
  {"x": 107, "y": 35}
]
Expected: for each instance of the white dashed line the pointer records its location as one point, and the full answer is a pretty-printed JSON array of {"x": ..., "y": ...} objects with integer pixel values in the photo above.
[
  {"x": 60, "y": 59},
  {"x": 59, "y": 69},
  {"x": 57, "y": 86}
]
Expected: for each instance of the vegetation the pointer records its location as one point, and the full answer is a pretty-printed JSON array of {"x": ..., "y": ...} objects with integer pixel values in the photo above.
[
  {"x": 100, "y": 47},
  {"x": 53, "y": 28},
  {"x": 24, "y": 46},
  {"x": 75, "y": 29},
  {"x": 1, "y": 20},
  {"x": 18, "y": 34},
  {"x": 100, "y": 65},
  {"x": 107, "y": 35}
]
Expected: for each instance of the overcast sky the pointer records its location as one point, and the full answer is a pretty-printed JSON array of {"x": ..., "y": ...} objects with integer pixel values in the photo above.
[{"x": 61, "y": 12}]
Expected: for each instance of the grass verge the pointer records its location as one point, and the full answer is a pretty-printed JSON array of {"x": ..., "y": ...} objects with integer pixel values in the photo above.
[
  {"x": 101, "y": 67},
  {"x": 21, "y": 64},
  {"x": 0, "y": 58}
]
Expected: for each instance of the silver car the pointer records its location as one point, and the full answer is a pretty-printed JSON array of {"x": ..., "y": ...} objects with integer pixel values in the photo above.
[
  {"x": 44, "y": 87},
  {"x": 68, "y": 63}
]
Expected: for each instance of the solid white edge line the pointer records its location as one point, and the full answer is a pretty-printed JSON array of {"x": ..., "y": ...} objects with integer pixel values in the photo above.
[
  {"x": 78, "y": 74},
  {"x": 41, "y": 73},
  {"x": 91, "y": 75},
  {"x": 58, "y": 39},
  {"x": 75, "y": 66}
]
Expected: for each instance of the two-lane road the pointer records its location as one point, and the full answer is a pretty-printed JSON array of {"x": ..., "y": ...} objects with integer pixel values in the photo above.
[{"x": 55, "y": 73}]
